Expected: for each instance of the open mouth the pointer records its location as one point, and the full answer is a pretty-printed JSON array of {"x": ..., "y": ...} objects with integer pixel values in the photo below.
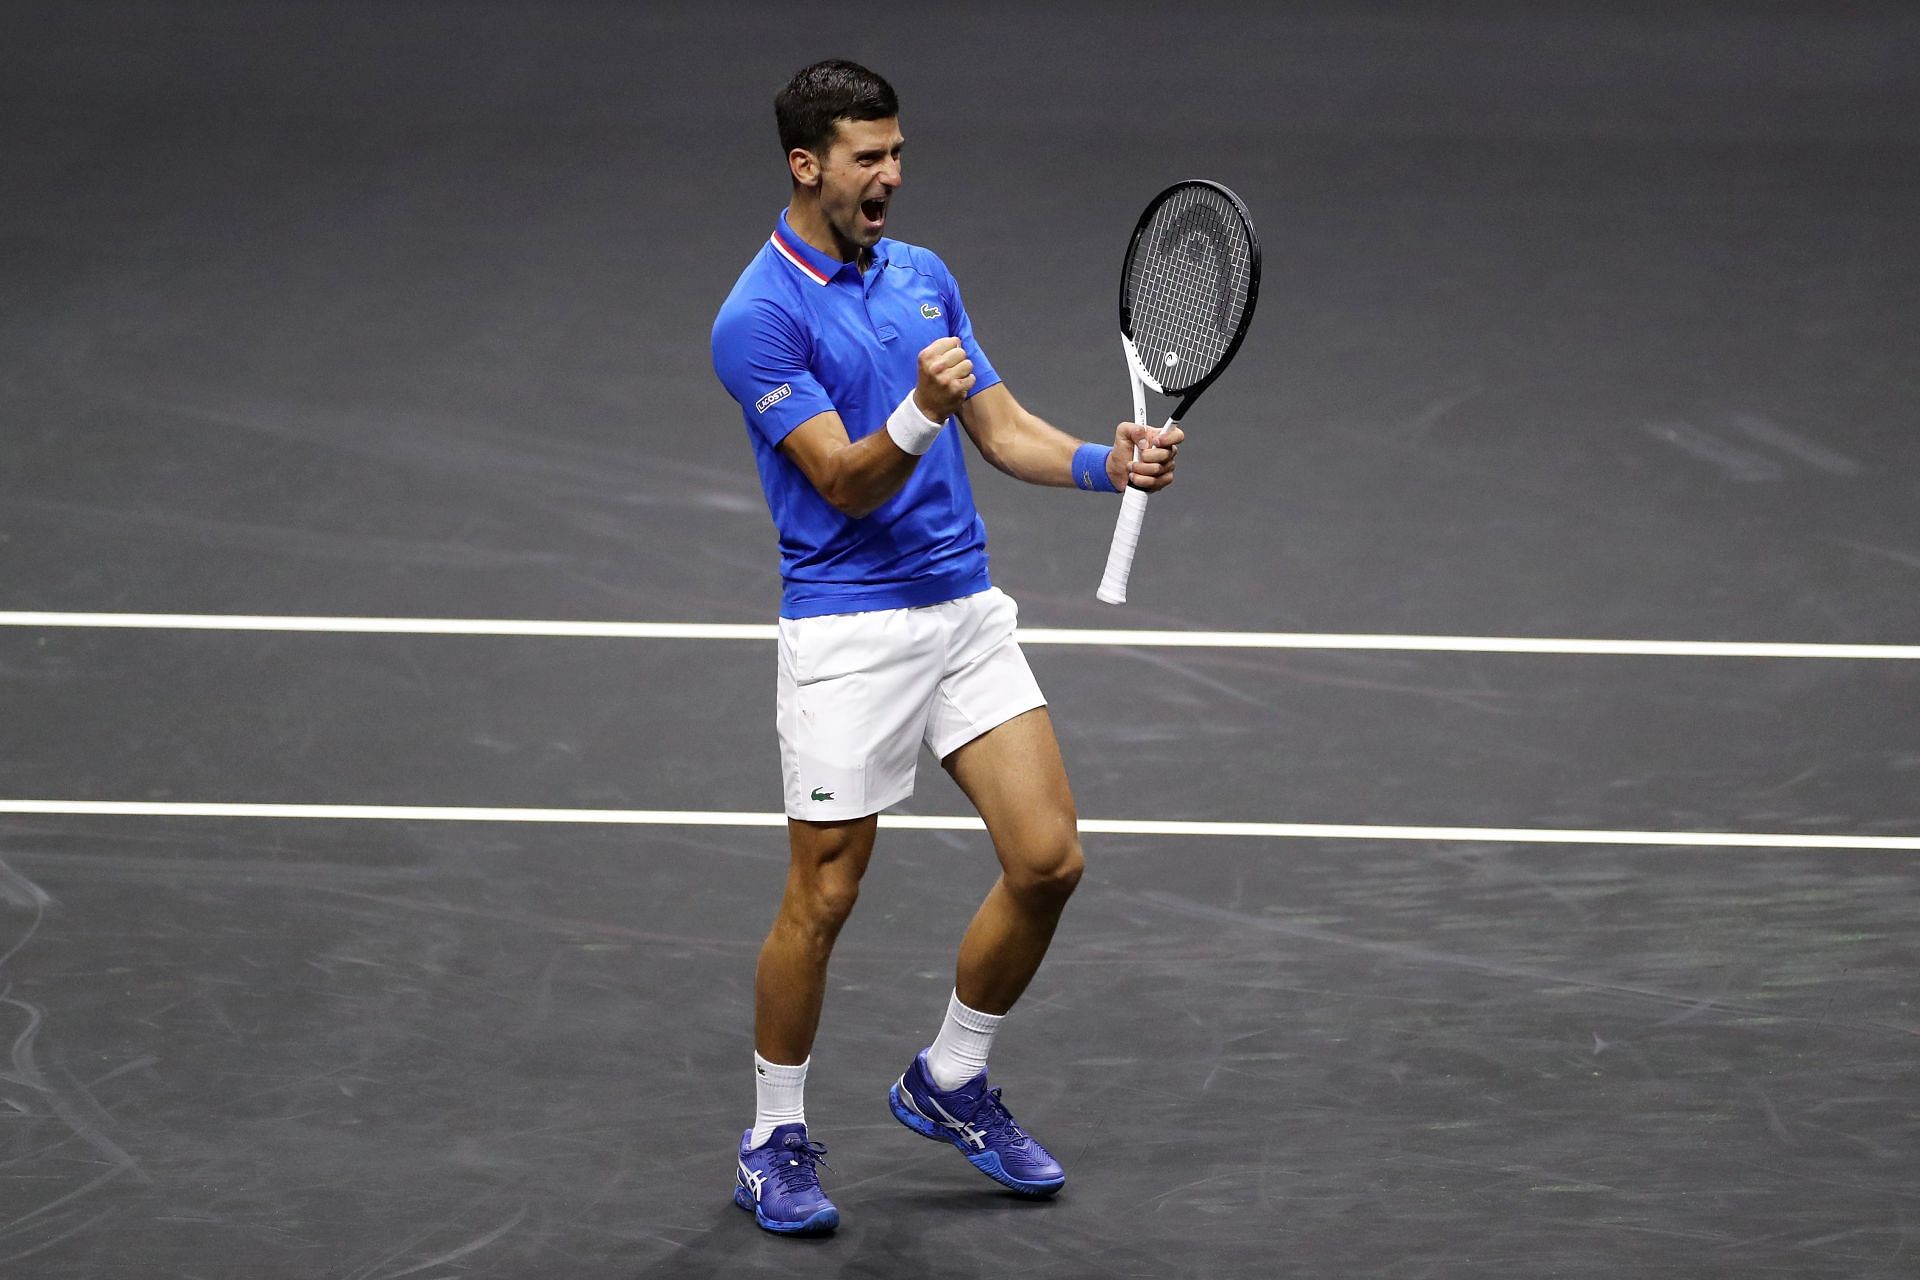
[{"x": 874, "y": 211}]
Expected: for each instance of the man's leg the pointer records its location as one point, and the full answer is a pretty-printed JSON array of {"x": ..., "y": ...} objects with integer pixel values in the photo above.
[
  {"x": 1014, "y": 776},
  {"x": 823, "y": 880},
  {"x": 777, "y": 1178},
  {"x": 851, "y": 692}
]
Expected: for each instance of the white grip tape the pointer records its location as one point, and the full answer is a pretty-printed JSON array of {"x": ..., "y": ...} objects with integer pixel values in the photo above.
[
  {"x": 1133, "y": 505},
  {"x": 911, "y": 429},
  {"x": 1126, "y": 536}
]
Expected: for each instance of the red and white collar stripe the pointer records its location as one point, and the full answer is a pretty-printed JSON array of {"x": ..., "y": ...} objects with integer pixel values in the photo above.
[{"x": 781, "y": 247}]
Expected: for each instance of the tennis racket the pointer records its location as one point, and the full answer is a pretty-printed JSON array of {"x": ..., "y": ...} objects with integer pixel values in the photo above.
[{"x": 1187, "y": 289}]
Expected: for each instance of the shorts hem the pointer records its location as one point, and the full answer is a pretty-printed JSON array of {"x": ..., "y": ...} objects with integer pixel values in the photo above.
[
  {"x": 984, "y": 725},
  {"x": 847, "y": 812}
]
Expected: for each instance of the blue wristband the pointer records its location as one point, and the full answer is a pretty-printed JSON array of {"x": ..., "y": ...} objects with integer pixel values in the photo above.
[{"x": 1090, "y": 469}]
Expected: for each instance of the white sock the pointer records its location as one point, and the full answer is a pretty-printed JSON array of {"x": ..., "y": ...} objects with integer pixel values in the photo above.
[
  {"x": 959, "y": 1053},
  {"x": 780, "y": 1097}
]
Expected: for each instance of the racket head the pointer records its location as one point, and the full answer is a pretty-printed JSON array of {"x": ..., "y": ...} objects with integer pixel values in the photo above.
[{"x": 1188, "y": 286}]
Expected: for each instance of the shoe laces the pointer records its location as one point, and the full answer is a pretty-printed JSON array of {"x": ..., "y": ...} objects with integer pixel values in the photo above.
[
  {"x": 796, "y": 1172},
  {"x": 997, "y": 1121}
]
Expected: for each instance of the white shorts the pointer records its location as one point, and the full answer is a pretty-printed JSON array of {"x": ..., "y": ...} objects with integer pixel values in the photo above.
[{"x": 859, "y": 693}]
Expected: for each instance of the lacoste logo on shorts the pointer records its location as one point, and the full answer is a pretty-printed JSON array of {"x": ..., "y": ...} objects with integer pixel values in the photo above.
[
  {"x": 773, "y": 397},
  {"x": 930, "y": 311},
  {"x": 821, "y": 793}
]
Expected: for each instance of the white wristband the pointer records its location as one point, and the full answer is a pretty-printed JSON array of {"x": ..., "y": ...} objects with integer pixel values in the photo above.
[{"x": 911, "y": 429}]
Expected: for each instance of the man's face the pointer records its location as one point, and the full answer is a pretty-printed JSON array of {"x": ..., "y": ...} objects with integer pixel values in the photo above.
[{"x": 858, "y": 175}]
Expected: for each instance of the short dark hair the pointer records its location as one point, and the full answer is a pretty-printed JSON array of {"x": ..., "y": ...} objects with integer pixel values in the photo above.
[{"x": 820, "y": 96}]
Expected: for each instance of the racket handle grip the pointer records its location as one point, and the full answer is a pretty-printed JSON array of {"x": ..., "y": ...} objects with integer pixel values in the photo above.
[{"x": 1126, "y": 536}]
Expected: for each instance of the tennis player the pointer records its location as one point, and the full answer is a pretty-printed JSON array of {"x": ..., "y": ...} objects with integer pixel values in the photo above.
[{"x": 851, "y": 356}]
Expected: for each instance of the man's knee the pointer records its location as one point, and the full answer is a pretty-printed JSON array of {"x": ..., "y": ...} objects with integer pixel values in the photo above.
[
  {"x": 823, "y": 881},
  {"x": 817, "y": 906},
  {"x": 832, "y": 898},
  {"x": 1048, "y": 870}
]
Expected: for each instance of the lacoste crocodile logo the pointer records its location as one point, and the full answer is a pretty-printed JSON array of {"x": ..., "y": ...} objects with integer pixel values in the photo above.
[
  {"x": 930, "y": 311},
  {"x": 821, "y": 793}
]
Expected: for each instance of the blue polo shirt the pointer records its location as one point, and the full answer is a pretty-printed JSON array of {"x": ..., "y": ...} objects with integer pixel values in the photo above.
[{"x": 803, "y": 333}]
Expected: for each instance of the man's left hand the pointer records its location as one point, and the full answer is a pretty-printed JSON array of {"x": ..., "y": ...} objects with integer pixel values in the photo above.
[{"x": 1153, "y": 468}]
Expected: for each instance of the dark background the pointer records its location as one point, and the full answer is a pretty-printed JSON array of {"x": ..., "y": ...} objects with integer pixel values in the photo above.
[{"x": 1577, "y": 320}]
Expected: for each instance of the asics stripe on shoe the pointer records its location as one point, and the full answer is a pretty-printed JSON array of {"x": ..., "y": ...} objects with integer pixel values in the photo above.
[
  {"x": 779, "y": 1182},
  {"x": 978, "y": 1124}
]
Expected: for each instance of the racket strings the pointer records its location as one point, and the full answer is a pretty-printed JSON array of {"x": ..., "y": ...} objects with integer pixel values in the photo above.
[{"x": 1188, "y": 285}]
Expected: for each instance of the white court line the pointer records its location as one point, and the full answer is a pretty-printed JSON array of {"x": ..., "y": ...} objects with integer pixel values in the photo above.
[
  {"x": 915, "y": 822},
  {"x": 1027, "y": 635}
]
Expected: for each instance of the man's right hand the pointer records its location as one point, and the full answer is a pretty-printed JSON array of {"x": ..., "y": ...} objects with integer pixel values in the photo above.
[{"x": 946, "y": 376}]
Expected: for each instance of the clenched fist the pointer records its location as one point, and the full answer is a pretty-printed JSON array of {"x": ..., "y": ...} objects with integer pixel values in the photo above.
[
  {"x": 1143, "y": 456},
  {"x": 946, "y": 375}
]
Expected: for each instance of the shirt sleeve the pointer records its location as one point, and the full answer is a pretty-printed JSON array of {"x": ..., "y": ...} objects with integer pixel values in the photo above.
[
  {"x": 760, "y": 353},
  {"x": 984, "y": 374}
]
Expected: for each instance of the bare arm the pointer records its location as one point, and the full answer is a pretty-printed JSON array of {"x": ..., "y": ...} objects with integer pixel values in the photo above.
[
  {"x": 1029, "y": 448},
  {"x": 856, "y": 476}
]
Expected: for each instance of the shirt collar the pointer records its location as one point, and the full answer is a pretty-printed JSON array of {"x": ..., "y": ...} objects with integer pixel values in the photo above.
[{"x": 816, "y": 266}]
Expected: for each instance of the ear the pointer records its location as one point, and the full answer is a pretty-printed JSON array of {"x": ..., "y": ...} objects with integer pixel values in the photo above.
[{"x": 804, "y": 166}]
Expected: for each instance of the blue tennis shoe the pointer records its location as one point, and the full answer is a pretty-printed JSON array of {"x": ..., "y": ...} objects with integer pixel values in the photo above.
[
  {"x": 780, "y": 1184},
  {"x": 974, "y": 1120}
]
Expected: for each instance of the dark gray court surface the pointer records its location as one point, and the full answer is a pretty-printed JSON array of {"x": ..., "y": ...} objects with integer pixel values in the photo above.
[{"x": 1579, "y": 321}]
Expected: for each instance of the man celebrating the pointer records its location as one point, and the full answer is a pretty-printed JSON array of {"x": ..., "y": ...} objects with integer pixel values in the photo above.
[{"x": 850, "y": 354}]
